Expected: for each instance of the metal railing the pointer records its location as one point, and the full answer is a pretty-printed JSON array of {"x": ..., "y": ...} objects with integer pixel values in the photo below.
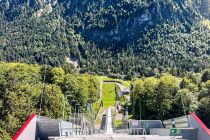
[
  {"x": 119, "y": 137},
  {"x": 79, "y": 124}
]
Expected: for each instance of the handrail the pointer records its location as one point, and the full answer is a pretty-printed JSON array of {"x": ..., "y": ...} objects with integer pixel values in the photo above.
[{"x": 20, "y": 131}]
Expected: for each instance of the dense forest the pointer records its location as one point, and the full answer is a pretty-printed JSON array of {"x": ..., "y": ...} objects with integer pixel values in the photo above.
[
  {"x": 21, "y": 90},
  {"x": 162, "y": 96},
  {"x": 118, "y": 37},
  {"x": 164, "y": 45},
  {"x": 165, "y": 96}
]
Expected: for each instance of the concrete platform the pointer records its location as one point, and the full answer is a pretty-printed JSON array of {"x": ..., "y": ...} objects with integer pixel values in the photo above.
[{"x": 119, "y": 137}]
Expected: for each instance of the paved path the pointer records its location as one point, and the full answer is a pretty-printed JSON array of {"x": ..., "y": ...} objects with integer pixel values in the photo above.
[
  {"x": 123, "y": 88},
  {"x": 99, "y": 100},
  {"x": 101, "y": 88}
]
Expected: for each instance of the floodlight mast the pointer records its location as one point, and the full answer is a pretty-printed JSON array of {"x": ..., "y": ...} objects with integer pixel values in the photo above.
[
  {"x": 43, "y": 90},
  {"x": 77, "y": 123}
]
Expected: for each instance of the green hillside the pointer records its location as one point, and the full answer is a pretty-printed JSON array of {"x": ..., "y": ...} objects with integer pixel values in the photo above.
[
  {"x": 160, "y": 97},
  {"x": 117, "y": 37},
  {"x": 21, "y": 90},
  {"x": 52, "y": 49}
]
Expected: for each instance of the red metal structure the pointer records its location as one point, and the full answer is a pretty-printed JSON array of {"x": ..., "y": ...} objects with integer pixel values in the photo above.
[{"x": 28, "y": 130}]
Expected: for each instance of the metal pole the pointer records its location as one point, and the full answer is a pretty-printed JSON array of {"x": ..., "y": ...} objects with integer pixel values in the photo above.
[
  {"x": 82, "y": 125},
  {"x": 70, "y": 116},
  {"x": 43, "y": 90},
  {"x": 74, "y": 115},
  {"x": 70, "y": 112},
  {"x": 77, "y": 123},
  {"x": 64, "y": 106},
  {"x": 78, "y": 131},
  {"x": 70, "y": 121},
  {"x": 133, "y": 109},
  {"x": 139, "y": 109}
]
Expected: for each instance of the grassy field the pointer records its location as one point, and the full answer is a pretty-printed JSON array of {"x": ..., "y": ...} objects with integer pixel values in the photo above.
[
  {"x": 109, "y": 99},
  {"x": 118, "y": 123},
  {"x": 126, "y": 83},
  {"x": 108, "y": 96},
  {"x": 96, "y": 106}
]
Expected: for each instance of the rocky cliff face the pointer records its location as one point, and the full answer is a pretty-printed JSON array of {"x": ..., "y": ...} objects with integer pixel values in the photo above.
[
  {"x": 113, "y": 21},
  {"x": 204, "y": 7}
]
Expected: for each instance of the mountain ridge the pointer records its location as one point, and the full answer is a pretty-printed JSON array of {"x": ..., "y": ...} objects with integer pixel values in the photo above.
[{"x": 117, "y": 33}]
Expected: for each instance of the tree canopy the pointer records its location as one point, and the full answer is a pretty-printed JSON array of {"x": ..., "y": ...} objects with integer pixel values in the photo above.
[
  {"x": 22, "y": 89},
  {"x": 164, "y": 97}
]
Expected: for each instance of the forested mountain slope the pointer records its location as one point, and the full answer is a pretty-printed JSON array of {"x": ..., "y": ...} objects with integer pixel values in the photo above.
[
  {"x": 125, "y": 37},
  {"x": 205, "y": 8}
]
